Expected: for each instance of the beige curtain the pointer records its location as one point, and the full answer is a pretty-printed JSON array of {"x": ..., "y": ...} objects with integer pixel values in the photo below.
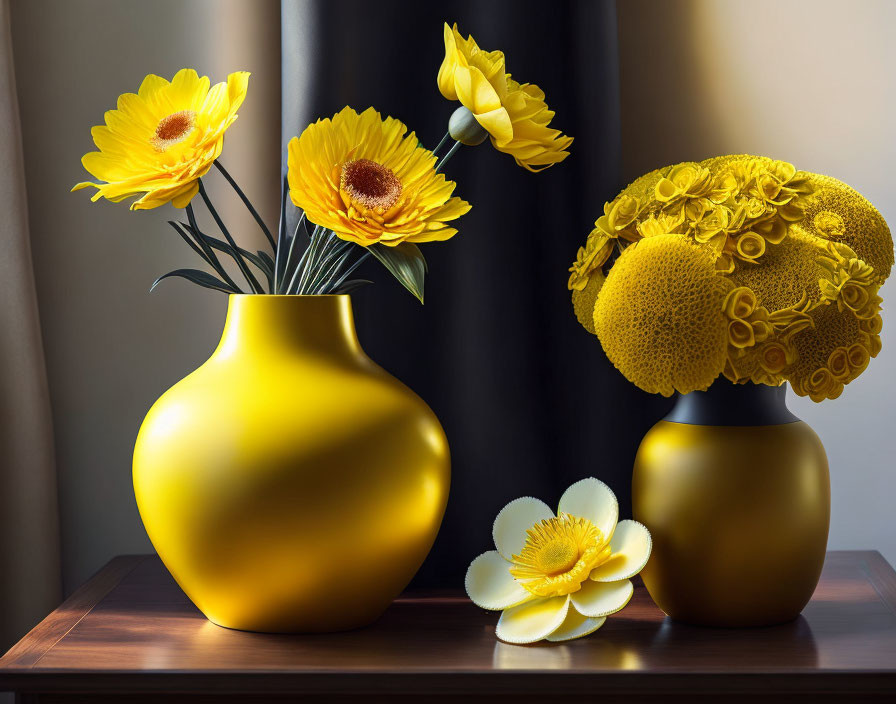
[
  {"x": 29, "y": 527},
  {"x": 111, "y": 347}
]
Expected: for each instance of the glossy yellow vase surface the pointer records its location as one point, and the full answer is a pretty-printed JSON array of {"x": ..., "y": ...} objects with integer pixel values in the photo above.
[
  {"x": 290, "y": 484},
  {"x": 739, "y": 517}
]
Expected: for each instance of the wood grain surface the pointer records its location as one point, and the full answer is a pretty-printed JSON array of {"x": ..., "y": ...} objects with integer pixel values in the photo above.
[{"x": 130, "y": 632}]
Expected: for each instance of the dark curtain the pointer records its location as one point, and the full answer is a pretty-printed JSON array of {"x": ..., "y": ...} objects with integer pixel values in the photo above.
[{"x": 526, "y": 396}]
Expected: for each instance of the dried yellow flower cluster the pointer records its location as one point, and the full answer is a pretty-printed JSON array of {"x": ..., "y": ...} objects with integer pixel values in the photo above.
[{"x": 737, "y": 265}]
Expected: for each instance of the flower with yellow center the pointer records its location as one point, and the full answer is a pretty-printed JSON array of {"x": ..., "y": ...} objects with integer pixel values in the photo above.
[
  {"x": 365, "y": 179},
  {"x": 515, "y": 115},
  {"x": 158, "y": 143},
  {"x": 558, "y": 576}
]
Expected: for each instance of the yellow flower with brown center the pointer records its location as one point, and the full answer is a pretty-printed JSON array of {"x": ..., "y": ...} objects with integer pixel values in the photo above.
[
  {"x": 558, "y": 576},
  {"x": 367, "y": 180},
  {"x": 515, "y": 115},
  {"x": 160, "y": 141}
]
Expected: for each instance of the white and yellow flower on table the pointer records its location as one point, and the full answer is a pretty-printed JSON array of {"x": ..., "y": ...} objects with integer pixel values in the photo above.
[{"x": 557, "y": 576}]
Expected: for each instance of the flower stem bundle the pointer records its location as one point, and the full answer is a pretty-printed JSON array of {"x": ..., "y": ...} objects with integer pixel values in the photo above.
[{"x": 365, "y": 186}]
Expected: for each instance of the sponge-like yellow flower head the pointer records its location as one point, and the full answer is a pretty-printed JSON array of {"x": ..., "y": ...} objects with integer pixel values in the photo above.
[
  {"x": 738, "y": 265},
  {"x": 838, "y": 213},
  {"x": 659, "y": 315}
]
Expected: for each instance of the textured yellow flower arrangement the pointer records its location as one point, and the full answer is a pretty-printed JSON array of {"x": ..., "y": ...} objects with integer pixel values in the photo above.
[
  {"x": 739, "y": 266},
  {"x": 361, "y": 181}
]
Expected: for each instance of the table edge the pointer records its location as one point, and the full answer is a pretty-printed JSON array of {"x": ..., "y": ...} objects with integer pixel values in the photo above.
[
  {"x": 40, "y": 639},
  {"x": 461, "y": 682},
  {"x": 18, "y": 672}
]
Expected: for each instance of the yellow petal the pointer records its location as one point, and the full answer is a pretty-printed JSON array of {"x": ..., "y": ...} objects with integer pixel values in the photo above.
[
  {"x": 575, "y": 626},
  {"x": 474, "y": 91},
  {"x": 490, "y": 585},
  {"x": 533, "y": 620},
  {"x": 592, "y": 499},
  {"x": 630, "y": 550},
  {"x": 237, "y": 85},
  {"x": 449, "y": 64},
  {"x": 514, "y": 520},
  {"x": 597, "y": 599},
  {"x": 151, "y": 85},
  {"x": 497, "y": 123}
]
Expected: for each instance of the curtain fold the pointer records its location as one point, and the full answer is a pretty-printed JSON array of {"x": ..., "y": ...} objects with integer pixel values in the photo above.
[
  {"x": 527, "y": 398},
  {"x": 29, "y": 526}
]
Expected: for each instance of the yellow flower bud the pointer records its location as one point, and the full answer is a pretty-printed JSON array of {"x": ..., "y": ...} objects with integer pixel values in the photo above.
[
  {"x": 740, "y": 334},
  {"x": 774, "y": 231},
  {"x": 739, "y": 303},
  {"x": 749, "y": 245},
  {"x": 872, "y": 326},
  {"x": 622, "y": 212},
  {"x": 854, "y": 296},
  {"x": 464, "y": 128},
  {"x": 775, "y": 357},
  {"x": 838, "y": 364},
  {"x": 829, "y": 225},
  {"x": 858, "y": 358}
]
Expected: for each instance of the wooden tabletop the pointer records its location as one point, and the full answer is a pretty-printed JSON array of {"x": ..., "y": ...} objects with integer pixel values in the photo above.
[{"x": 130, "y": 630}]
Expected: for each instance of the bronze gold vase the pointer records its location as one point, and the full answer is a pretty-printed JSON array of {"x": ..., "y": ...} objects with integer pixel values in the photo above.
[{"x": 735, "y": 491}]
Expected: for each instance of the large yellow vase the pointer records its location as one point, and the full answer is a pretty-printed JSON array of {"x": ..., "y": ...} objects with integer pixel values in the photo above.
[
  {"x": 290, "y": 484},
  {"x": 736, "y": 494}
]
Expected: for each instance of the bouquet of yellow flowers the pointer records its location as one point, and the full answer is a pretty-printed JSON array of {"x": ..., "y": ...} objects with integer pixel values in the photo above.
[
  {"x": 363, "y": 183},
  {"x": 738, "y": 266}
]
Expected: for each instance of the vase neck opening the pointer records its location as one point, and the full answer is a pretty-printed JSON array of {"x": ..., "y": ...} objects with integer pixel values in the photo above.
[
  {"x": 321, "y": 325},
  {"x": 725, "y": 403}
]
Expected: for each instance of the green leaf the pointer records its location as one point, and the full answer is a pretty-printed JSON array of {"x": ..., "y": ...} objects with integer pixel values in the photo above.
[
  {"x": 261, "y": 260},
  {"x": 351, "y": 285},
  {"x": 201, "y": 278},
  {"x": 406, "y": 263},
  {"x": 268, "y": 262}
]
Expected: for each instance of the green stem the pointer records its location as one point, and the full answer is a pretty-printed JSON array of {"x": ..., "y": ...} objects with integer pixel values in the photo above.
[
  {"x": 299, "y": 273},
  {"x": 442, "y": 143},
  {"x": 241, "y": 263},
  {"x": 347, "y": 272},
  {"x": 247, "y": 203},
  {"x": 292, "y": 246},
  {"x": 447, "y": 156},
  {"x": 281, "y": 232},
  {"x": 210, "y": 253}
]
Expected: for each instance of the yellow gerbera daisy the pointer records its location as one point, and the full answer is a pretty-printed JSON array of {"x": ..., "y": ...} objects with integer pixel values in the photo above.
[
  {"x": 367, "y": 180},
  {"x": 515, "y": 115},
  {"x": 160, "y": 141}
]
